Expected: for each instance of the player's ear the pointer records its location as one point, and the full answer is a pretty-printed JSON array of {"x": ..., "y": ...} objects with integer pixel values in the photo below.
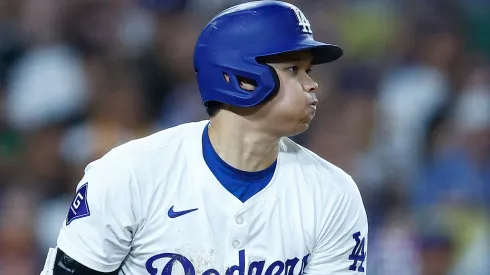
[{"x": 245, "y": 83}]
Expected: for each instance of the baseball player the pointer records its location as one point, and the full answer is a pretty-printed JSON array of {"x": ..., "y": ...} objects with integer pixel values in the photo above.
[{"x": 231, "y": 195}]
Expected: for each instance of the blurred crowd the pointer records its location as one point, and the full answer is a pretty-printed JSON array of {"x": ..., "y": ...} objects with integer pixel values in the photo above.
[{"x": 406, "y": 112}]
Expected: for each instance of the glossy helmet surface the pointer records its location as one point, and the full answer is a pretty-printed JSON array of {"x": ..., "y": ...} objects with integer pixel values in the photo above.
[{"x": 233, "y": 41}]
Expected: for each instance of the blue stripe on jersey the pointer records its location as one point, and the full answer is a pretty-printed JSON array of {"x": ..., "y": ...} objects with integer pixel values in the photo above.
[{"x": 242, "y": 184}]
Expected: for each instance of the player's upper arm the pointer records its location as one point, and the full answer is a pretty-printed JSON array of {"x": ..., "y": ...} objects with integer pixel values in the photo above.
[
  {"x": 101, "y": 219},
  {"x": 342, "y": 243}
]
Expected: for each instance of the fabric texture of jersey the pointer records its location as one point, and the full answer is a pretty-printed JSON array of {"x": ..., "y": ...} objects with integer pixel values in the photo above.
[
  {"x": 241, "y": 184},
  {"x": 156, "y": 208},
  {"x": 233, "y": 42}
]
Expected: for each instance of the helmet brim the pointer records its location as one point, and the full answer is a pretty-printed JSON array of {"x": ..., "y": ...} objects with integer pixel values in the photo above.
[{"x": 322, "y": 53}]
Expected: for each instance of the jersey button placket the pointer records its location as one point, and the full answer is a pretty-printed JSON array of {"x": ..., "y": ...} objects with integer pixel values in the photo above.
[{"x": 238, "y": 237}]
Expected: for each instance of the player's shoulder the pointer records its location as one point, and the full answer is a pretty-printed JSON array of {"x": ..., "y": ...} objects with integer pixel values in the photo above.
[
  {"x": 152, "y": 146},
  {"x": 322, "y": 174},
  {"x": 144, "y": 153},
  {"x": 169, "y": 137}
]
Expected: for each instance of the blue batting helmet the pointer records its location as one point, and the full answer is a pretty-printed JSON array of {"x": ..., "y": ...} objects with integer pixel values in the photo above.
[{"x": 234, "y": 40}]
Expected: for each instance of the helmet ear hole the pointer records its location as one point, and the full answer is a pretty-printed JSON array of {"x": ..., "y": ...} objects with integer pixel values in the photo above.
[
  {"x": 226, "y": 77},
  {"x": 246, "y": 83}
]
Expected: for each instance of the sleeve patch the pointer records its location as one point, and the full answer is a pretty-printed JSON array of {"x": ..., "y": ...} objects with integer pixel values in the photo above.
[
  {"x": 358, "y": 254},
  {"x": 79, "y": 206}
]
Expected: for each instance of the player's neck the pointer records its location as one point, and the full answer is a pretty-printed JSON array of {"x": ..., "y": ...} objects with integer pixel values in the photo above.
[{"x": 241, "y": 145}]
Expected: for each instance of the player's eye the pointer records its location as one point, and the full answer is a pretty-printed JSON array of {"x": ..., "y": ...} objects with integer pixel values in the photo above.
[
  {"x": 293, "y": 69},
  {"x": 308, "y": 71}
]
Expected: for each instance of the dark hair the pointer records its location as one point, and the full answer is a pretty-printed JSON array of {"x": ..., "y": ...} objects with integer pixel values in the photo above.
[{"x": 213, "y": 107}]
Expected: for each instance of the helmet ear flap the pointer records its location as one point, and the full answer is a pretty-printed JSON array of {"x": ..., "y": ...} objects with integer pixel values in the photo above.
[
  {"x": 230, "y": 78},
  {"x": 248, "y": 84},
  {"x": 277, "y": 82}
]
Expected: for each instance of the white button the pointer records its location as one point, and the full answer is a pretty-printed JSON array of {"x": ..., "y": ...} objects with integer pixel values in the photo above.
[
  {"x": 236, "y": 244},
  {"x": 239, "y": 220}
]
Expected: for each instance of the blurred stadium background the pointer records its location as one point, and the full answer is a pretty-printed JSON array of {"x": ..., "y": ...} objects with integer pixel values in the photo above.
[{"x": 406, "y": 112}]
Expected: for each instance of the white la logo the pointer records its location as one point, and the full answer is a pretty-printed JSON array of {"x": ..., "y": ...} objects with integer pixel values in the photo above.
[{"x": 302, "y": 21}]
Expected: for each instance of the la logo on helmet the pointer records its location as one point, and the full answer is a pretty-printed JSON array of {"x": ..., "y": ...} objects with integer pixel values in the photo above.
[{"x": 302, "y": 21}]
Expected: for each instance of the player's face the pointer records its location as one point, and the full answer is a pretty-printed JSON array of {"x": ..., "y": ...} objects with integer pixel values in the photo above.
[{"x": 291, "y": 110}]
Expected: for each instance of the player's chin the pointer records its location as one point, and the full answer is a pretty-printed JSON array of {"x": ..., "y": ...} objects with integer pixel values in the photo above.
[
  {"x": 310, "y": 114},
  {"x": 302, "y": 125},
  {"x": 309, "y": 119},
  {"x": 306, "y": 123}
]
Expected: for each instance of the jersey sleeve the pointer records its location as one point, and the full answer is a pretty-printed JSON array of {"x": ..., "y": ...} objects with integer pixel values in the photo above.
[
  {"x": 342, "y": 243},
  {"x": 100, "y": 222}
]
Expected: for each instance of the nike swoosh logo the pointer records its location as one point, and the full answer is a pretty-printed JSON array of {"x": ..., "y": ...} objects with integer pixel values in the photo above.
[{"x": 174, "y": 214}]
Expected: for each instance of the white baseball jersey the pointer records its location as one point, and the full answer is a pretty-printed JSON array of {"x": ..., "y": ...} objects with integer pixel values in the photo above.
[{"x": 152, "y": 206}]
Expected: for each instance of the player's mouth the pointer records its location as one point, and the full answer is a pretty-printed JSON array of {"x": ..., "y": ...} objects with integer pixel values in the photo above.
[
  {"x": 313, "y": 100},
  {"x": 313, "y": 103}
]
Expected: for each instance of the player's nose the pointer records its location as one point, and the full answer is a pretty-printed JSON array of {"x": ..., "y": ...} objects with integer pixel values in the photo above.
[{"x": 309, "y": 85}]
